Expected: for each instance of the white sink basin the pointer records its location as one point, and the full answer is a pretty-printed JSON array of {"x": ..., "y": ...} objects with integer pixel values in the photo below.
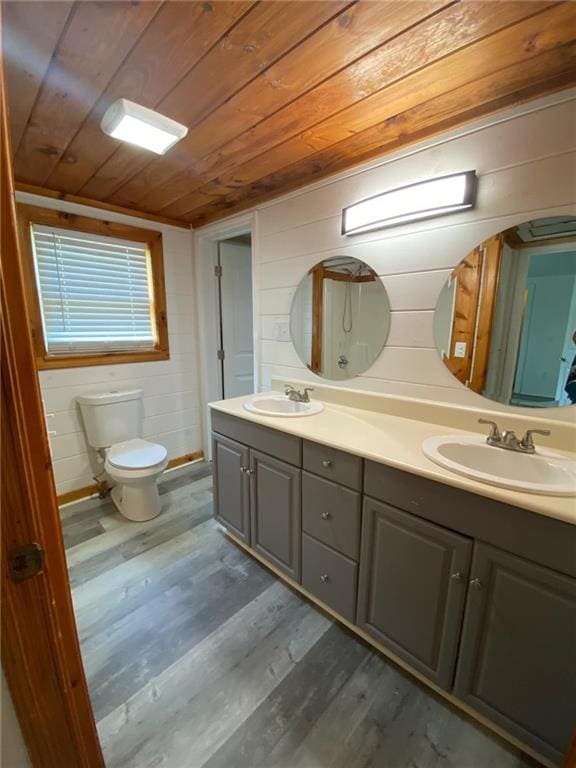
[
  {"x": 544, "y": 472},
  {"x": 280, "y": 405}
]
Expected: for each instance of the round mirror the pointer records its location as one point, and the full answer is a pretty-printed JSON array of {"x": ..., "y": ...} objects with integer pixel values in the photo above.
[
  {"x": 505, "y": 322},
  {"x": 340, "y": 318}
]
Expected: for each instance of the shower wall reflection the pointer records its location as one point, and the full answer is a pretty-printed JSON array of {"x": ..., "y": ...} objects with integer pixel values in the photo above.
[{"x": 340, "y": 318}]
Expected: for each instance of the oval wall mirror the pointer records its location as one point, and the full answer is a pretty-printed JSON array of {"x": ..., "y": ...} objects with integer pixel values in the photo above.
[
  {"x": 340, "y": 318},
  {"x": 505, "y": 322}
]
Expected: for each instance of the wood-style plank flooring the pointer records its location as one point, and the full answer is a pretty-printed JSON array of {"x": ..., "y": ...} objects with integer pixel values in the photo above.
[{"x": 198, "y": 657}]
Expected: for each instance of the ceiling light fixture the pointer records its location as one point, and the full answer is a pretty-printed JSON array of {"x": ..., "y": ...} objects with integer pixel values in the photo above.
[
  {"x": 422, "y": 200},
  {"x": 144, "y": 127}
]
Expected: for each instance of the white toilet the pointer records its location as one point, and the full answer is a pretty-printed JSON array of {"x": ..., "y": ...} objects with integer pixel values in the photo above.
[{"x": 112, "y": 421}]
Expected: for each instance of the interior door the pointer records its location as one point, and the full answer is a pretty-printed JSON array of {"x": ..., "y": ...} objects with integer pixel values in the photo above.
[
  {"x": 236, "y": 318},
  {"x": 543, "y": 334},
  {"x": 40, "y": 651}
]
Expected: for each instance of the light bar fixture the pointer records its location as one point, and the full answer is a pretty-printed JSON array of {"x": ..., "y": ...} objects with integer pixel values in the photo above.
[
  {"x": 144, "y": 127},
  {"x": 422, "y": 200}
]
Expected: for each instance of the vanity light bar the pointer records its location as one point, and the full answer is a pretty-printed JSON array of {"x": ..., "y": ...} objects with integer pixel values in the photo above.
[
  {"x": 131, "y": 122},
  {"x": 422, "y": 200}
]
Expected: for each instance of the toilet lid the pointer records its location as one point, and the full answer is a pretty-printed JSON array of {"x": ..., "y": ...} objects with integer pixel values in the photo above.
[{"x": 136, "y": 454}]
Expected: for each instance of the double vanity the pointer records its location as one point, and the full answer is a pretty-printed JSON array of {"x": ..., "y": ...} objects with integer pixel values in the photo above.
[{"x": 470, "y": 586}]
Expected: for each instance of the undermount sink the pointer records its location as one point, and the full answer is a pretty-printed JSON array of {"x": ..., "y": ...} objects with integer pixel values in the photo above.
[
  {"x": 280, "y": 405},
  {"x": 544, "y": 472}
]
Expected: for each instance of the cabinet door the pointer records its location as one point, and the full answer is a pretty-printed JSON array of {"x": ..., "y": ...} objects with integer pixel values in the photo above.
[
  {"x": 517, "y": 662},
  {"x": 275, "y": 512},
  {"x": 413, "y": 577},
  {"x": 230, "y": 460}
]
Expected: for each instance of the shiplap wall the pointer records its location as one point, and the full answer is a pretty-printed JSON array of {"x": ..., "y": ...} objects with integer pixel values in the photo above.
[
  {"x": 526, "y": 162},
  {"x": 171, "y": 387}
]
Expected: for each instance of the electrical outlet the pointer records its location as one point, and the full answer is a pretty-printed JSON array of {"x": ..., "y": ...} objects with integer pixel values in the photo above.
[
  {"x": 282, "y": 331},
  {"x": 460, "y": 349}
]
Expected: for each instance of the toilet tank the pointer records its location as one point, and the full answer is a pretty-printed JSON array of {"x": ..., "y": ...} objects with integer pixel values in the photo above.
[{"x": 111, "y": 417}]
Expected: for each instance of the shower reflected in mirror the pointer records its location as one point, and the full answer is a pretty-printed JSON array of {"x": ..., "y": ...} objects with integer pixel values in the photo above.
[
  {"x": 505, "y": 321},
  {"x": 340, "y": 318}
]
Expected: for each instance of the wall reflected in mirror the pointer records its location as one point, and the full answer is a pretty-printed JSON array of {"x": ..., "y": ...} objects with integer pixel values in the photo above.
[
  {"x": 340, "y": 318},
  {"x": 505, "y": 321}
]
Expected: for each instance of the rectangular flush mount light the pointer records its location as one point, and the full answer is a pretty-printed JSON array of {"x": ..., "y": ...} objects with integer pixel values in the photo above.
[
  {"x": 144, "y": 127},
  {"x": 422, "y": 200}
]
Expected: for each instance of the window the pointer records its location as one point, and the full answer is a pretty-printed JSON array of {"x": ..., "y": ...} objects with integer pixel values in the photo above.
[{"x": 96, "y": 290}]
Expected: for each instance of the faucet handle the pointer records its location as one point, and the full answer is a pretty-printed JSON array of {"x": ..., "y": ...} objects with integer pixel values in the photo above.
[
  {"x": 288, "y": 388},
  {"x": 527, "y": 442},
  {"x": 494, "y": 436}
]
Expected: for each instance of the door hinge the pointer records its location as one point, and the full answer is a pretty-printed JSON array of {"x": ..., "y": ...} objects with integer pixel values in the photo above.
[
  {"x": 218, "y": 270},
  {"x": 220, "y": 354},
  {"x": 25, "y": 561}
]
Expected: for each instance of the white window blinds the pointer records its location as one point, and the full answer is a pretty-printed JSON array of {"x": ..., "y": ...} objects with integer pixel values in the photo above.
[{"x": 95, "y": 292}]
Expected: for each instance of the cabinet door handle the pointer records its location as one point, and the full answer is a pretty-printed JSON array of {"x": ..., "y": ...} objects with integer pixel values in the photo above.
[
  {"x": 326, "y": 515},
  {"x": 243, "y": 470},
  {"x": 250, "y": 471},
  {"x": 476, "y": 584},
  {"x": 326, "y": 463},
  {"x": 457, "y": 576},
  {"x": 324, "y": 578}
]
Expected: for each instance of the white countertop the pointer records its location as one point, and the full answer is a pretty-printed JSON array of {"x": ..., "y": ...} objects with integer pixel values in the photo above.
[{"x": 395, "y": 441}]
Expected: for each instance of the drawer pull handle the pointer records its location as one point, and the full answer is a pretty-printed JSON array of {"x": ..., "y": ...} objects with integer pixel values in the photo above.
[
  {"x": 326, "y": 515},
  {"x": 326, "y": 463},
  {"x": 324, "y": 578},
  {"x": 476, "y": 584},
  {"x": 457, "y": 576}
]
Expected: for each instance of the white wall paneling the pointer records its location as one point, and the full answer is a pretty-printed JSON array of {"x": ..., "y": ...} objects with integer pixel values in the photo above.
[
  {"x": 171, "y": 401},
  {"x": 526, "y": 161}
]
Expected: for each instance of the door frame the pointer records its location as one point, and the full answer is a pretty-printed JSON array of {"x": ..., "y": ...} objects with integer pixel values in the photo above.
[
  {"x": 206, "y": 242},
  {"x": 40, "y": 648}
]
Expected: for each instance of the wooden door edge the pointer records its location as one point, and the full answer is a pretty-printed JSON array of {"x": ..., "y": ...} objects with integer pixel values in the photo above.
[{"x": 49, "y": 691}]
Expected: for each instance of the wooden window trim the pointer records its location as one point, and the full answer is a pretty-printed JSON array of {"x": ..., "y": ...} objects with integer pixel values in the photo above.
[{"x": 31, "y": 214}]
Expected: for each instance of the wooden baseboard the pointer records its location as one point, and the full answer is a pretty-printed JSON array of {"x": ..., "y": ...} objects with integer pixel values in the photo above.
[
  {"x": 186, "y": 459},
  {"x": 396, "y": 659},
  {"x": 90, "y": 490}
]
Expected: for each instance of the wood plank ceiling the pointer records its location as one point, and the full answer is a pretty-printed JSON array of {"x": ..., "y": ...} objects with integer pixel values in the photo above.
[{"x": 275, "y": 94}]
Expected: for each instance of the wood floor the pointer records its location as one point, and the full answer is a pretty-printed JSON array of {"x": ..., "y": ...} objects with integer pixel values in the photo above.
[{"x": 197, "y": 657}]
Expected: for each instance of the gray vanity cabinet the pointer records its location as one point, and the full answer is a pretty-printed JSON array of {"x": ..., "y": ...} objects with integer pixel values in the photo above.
[
  {"x": 517, "y": 661},
  {"x": 231, "y": 490},
  {"x": 413, "y": 580},
  {"x": 275, "y": 512}
]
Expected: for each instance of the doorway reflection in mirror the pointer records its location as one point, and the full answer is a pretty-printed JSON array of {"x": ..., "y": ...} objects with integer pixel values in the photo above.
[{"x": 505, "y": 321}]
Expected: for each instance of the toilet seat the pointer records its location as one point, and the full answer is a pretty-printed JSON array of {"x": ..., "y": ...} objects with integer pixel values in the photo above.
[{"x": 136, "y": 454}]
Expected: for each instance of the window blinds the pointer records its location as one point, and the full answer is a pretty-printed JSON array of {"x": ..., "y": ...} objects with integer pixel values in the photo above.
[{"x": 95, "y": 292}]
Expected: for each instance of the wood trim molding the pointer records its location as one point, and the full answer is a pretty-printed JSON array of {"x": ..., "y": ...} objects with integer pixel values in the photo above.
[
  {"x": 90, "y": 490},
  {"x": 31, "y": 214},
  {"x": 40, "y": 650},
  {"x": 317, "y": 315},
  {"x": 32, "y": 189}
]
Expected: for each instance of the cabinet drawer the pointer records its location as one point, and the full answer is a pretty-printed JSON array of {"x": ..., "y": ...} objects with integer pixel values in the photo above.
[
  {"x": 271, "y": 441},
  {"x": 333, "y": 464},
  {"x": 329, "y": 576},
  {"x": 542, "y": 539},
  {"x": 331, "y": 513}
]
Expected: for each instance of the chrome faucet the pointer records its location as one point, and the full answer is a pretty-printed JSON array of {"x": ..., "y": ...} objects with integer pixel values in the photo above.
[
  {"x": 509, "y": 440},
  {"x": 298, "y": 397}
]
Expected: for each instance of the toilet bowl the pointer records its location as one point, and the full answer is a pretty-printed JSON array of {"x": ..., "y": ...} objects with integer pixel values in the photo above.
[
  {"x": 113, "y": 422},
  {"x": 135, "y": 466}
]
